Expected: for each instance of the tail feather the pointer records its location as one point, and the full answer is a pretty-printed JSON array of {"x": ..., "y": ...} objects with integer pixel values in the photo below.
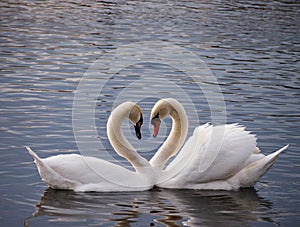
[
  {"x": 32, "y": 153},
  {"x": 249, "y": 175},
  {"x": 49, "y": 175},
  {"x": 36, "y": 158},
  {"x": 274, "y": 155},
  {"x": 43, "y": 169}
]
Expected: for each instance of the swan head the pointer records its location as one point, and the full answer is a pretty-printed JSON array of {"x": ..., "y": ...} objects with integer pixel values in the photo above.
[
  {"x": 136, "y": 117},
  {"x": 160, "y": 110}
]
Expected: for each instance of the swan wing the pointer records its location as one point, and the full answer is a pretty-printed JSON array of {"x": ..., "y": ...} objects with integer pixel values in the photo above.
[{"x": 212, "y": 153}]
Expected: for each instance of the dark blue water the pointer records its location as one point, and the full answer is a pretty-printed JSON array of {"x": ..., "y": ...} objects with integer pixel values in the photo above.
[{"x": 228, "y": 61}]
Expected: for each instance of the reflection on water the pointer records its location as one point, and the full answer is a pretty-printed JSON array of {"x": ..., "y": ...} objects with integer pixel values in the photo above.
[{"x": 157, "y": 207}]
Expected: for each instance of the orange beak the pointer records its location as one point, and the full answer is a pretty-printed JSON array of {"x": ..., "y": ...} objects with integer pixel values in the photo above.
[{"x": 156, "y": 124}]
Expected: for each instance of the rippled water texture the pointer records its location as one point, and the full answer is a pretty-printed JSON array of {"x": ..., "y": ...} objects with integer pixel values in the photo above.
[{"x": 252, "y": 49}]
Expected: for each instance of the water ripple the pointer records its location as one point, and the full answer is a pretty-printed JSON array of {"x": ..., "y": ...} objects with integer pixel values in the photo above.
[{"x": 252, "y": 48}]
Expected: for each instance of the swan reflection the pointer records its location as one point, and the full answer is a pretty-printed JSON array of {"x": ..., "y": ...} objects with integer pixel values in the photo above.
[
  {"x": 213, "y": 208},
  {"x": 158, "y": 207}
]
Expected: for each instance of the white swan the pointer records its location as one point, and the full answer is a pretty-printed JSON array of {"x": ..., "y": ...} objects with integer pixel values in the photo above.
[
  {"x": 214, "y": 157},
  {"x": 82, "y": 173}
]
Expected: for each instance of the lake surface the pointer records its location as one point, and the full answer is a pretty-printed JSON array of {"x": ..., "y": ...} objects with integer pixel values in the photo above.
[{"x": 227, "y": 62}]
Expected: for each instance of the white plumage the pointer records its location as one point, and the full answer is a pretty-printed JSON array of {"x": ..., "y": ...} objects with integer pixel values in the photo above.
[
  {"x": 221, "y": 157},
  {"x": 82, "y": 173}
]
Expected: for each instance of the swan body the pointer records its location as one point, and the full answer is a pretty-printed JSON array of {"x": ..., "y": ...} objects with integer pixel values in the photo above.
[
  {"x": 83, "y": 173},
  {"x": 221, "y": 157}
]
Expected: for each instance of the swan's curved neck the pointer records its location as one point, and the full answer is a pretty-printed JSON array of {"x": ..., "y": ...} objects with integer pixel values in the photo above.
[
  {"x": 118, "y": 140},
  {"x": 176, "y": 138}
]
